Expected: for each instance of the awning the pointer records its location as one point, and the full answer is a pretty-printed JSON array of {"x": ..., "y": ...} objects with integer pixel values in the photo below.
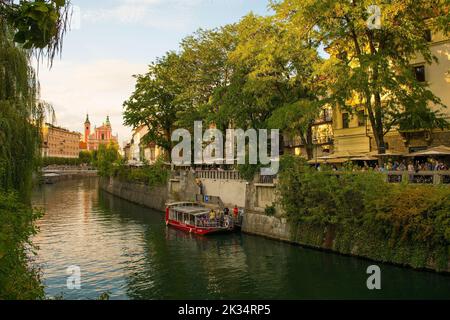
[
  {"x": 386, "y": 154},
  {"x": 329, "y": 161},
  {"x": 338, "y": 155},
  {"x": 365, "y": 158},
  {"x": 338, "y": 161},
  {"x": 437, "y": 151}
]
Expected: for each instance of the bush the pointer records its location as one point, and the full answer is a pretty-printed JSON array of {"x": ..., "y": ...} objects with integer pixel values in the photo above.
[
  {"x": 270, "y": 210},
  {"x": 400, "y": 213},
  {"x": 50, "y": 161},
  {"x": 150, "y": 175},
  {"x": 18, "y": 281}
]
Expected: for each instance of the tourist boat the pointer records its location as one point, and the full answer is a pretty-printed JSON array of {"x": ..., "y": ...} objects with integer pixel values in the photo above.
[{"x": 194, "y": 218}]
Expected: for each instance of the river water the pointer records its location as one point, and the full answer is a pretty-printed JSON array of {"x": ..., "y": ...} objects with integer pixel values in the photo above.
[{"x": 127, "y": 250}]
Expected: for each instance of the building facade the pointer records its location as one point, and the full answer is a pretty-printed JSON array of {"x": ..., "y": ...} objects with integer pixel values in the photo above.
[
  {"x": 139, "y": 150},
  {"x": 101, "y": 136},
  {"x": 60, "y": 142},
  {"x": 340, "y": 132},
  {"x": 353, "y": 131}
]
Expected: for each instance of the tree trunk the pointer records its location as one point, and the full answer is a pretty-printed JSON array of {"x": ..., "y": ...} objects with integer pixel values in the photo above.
[{"x": 308, "y": 142}]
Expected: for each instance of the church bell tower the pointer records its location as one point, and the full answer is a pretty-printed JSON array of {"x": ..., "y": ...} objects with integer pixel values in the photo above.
[{"x": 87, "y": 129}]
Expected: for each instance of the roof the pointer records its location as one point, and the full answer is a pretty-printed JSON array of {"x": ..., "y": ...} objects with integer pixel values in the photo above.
[
  {"x": 194, "y": 210},
  {"x": 189, "y": 208}
]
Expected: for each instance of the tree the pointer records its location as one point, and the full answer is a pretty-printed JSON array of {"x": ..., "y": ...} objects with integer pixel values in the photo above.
[
  {"x": 370, "y": 67},
  {"x": 85, "y": 157},
  {"x": 278, "y": 82},
  {"x": 205, "y": 71},
  {"x": 26, "y": 27},
  {"x": 153, "y": 103},
  {"x": 297, "y": 119},
  {"x": 107, "y": 157},
  {"x": 38, "y": 25}
]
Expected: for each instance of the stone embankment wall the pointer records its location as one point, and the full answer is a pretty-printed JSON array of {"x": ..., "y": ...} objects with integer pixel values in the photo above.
[
  {"x": 182, "y": 188},
  {"x": 357, "y": 242},
  {"x": 154, "y": 198}
]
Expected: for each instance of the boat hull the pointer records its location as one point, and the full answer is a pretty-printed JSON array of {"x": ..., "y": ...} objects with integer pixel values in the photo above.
[{"x": 196, "y": 230}]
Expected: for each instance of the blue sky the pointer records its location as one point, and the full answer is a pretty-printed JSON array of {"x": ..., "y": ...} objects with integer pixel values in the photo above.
[{"x": 111, "y": 40}]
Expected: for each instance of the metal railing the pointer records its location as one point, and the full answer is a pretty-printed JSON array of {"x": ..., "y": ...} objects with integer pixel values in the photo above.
[
  {"x": 267, "y": 179},
  {"x": 422, "y": 177},
  {"x": 210, "y": 200},
  {"x": 219, "y": 175},
  {"x": 446, "y": 179}
]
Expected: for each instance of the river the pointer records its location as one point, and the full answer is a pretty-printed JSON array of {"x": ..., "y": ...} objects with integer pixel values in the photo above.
[{"x": 128, "y": 251}]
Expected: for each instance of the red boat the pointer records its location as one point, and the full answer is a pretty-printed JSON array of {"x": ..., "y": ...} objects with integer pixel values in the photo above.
[{"x": 194, "y": 218}]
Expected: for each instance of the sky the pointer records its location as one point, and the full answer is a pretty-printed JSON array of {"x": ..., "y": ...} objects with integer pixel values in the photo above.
[{"x": 112, "y": 40}]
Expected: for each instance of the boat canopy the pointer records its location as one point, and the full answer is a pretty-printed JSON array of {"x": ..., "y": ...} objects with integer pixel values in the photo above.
[{"x": 193, "y": 210}]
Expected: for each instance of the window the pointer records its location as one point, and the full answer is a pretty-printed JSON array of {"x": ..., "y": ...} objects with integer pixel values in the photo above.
[
  {"x": 419, "y": 73},
  {"x": 103, "y": 137},
  {"x": 361, "y": 118},
  {"x": 345, "y": 121}
]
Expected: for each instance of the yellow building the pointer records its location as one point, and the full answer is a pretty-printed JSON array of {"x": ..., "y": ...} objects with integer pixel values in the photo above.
[
  {"x": 323, "y": 136},
  {"x": 353, "y": 131},
  {"x": 60, "y": 143}
]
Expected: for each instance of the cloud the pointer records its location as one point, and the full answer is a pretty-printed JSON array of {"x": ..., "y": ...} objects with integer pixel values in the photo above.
[
  {"x": 98, "y": 87},
  {"x": 161, "y": 14}
]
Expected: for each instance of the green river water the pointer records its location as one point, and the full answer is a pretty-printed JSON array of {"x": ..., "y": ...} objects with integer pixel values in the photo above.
[{"x": 128, "y": 251}]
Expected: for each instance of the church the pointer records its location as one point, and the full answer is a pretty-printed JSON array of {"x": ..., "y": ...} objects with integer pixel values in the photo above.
[{"x": 101, "y": 135}]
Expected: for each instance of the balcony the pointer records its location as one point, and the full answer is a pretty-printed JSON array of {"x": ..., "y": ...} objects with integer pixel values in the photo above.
[{"x": 325, "y": 117}]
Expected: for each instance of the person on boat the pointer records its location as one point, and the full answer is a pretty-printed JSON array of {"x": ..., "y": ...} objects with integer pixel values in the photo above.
[
  {"x": 221, "y": 219},
  {"x": 236, "y": 212},
  {"x": 212, "y": 216},
  {"x": 202, "y": 221},
  {"x": 226, "y": 211}
]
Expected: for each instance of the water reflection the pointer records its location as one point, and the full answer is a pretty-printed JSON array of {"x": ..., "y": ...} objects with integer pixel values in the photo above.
[{"x": 127, "y": 250}]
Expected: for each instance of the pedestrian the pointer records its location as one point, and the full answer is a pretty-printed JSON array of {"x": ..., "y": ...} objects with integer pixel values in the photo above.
[
  {"x": 200, "y": 185},
  {"x": 411, "y": 171}
]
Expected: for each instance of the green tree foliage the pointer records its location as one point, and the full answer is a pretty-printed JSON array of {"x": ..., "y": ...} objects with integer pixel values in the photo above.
[
  {"x": 18, "y": 280},
  {"x": 62, "y": 161},
  {"x": 234, "y": 76},
  {"x": 26, "y": 27},
  {"x": 153, "y": 175},
  {"x": 38, "y": 25},
  {"x": 107, "y": 158},
  {"x": 153, "y": 103},
  {"x": 86, "y": 157},
  {"x": 371, "y": 67}
]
